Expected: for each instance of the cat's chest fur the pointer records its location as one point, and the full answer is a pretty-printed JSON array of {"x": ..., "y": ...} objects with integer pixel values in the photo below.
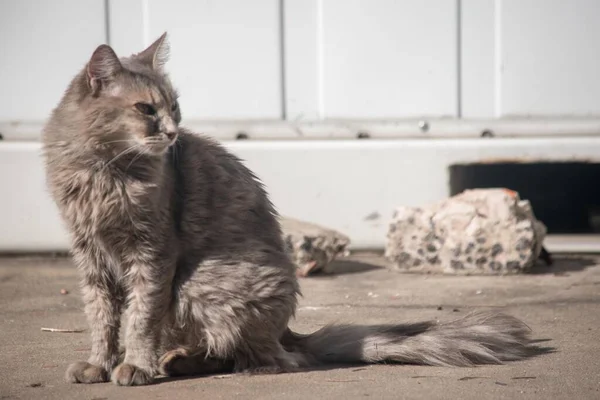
[{"x": 110, "y": 210}]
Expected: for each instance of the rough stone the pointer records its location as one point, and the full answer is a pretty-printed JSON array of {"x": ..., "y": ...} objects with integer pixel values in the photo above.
[
  {"x": 483, "y": 231},
  {"x": 311, "y": 246}
]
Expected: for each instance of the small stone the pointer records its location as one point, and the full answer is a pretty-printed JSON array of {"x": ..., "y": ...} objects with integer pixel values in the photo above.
[
  {"x": 433, "y": 260},
  {"x": 312, "y": 247},
  {"x": 496, "y": 249},
  {"x": 513, "y": 265},
  {"x": 470, "y": 247},
  {"x": 404, "y": 257},
  {"x": 483, "y": 231},
  {"x": 481, "y": 261},
  {"x": 523, "y": 244},
  {"x": 439, "y": 308},
  {"x": 64, "y": 291},
  {"x": 455, "y": 310},
  {"x": 456, "y": 252},
  {"x": 495, "y": 266}
]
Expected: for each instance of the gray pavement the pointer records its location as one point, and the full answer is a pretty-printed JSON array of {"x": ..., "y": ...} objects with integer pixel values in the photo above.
[{"x": 561, "y": 303}]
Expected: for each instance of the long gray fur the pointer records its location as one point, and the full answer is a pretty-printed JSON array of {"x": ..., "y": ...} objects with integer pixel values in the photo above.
[{"x": 176, "y": 234}]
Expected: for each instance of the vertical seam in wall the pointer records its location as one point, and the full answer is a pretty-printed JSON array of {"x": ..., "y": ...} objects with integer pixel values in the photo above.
[
  {"x": 107, "y": 22},
  {"x": 459, "y": 58},
  {"x": 282, "y": 75},
  {"x": 498, "y": 68},
  {"x": 320, "y": 61},
  {"x": 146, "y": 23}
]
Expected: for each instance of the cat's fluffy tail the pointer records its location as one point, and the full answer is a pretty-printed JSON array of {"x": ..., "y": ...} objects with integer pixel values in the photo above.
[{"x": 481, "y": 338}]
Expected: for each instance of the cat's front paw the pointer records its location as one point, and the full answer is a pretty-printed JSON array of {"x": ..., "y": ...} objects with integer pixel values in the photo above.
[
  {"x": 130, "y": 375},
  {"x": 84, "y": 372}
]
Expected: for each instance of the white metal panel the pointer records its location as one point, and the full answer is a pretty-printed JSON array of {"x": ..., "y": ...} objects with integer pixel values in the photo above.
[
  {"x": 389, "y": 58},
  {"x": 43, "y": 45},
  {"x": 126, "y": 26},
  {"x": 376, "y": 129},
  {"x": 30, "y": 220},
  {"x": 354, "y": 186},
  {"x": 302, "y": 42},
  {"x": 477, "y": 55},
  {"x": 550, "y": 57},
  {"x": 225, "y": 55},
  {"x": 350, "y": 185}
]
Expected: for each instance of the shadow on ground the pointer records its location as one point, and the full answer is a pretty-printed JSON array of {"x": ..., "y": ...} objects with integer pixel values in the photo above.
[
  {"x": 562, "y": 265},
  {"x": 532, "y": 351},
  {"x": 343, "y": 267}
]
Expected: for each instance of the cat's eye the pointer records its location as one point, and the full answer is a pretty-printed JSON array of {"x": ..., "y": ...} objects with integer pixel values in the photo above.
[
  {"x": 175, "y": 106},
  {"x": 146, "y": 109}
]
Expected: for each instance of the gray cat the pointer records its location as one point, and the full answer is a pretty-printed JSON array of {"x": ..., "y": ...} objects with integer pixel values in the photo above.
[{"x": 176, "y": 233}]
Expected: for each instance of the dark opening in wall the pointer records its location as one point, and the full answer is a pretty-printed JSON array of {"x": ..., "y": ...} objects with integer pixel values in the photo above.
[{"x": 564, "y": 195}]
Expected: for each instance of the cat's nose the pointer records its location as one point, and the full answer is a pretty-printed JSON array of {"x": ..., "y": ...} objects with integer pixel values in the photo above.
[{"x": 169, "y": 128}]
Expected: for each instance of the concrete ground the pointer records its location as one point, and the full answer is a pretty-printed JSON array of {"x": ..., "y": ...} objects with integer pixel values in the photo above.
[{"x": 561, "y": 303}]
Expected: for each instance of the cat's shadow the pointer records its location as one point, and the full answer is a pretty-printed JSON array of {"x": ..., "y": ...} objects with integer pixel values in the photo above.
[
  {"x": 535, "y": 350},
  {"x": 353, "y": 367}
]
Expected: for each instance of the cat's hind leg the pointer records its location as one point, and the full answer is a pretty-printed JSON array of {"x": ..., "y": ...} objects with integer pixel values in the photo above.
[
  {"x": 266, "y": 357},
  {"x": 181, "y": 362},
  {"x": 238, "y": 311}
]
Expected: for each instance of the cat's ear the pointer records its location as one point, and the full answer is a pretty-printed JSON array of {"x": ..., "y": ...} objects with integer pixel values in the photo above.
[
  {"x": 157, "y": 54},
  {"x": 103, "y": 65}
]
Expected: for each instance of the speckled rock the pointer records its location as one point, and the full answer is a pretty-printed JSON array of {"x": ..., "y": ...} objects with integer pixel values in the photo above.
[
  {"x": 484, "y": 231},
  {"x": 312, "y": 247}
]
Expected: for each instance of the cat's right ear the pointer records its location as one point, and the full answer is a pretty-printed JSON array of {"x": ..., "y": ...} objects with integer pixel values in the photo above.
[
  {"x": 103, "y": 65},
  {"x": 157, "y": 54}
]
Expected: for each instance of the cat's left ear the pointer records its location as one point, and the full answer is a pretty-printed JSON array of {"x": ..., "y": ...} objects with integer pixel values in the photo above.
[
  {"x": 103, "y": 66},
  {"x": 157, "y": 54}
]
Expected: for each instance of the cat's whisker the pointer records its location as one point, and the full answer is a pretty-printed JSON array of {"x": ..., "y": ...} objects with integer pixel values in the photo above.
[
  {"x": 118, "y": 141},
  {"x": 137, "y": 156},
  {"x": 127, "y": 150}
]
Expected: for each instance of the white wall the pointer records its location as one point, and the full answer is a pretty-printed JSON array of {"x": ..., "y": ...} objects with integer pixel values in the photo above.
[
  {"x": 350, "y": 185},
  {"x": 42, "y": 45},
  {"x": 473, "y": 59},
  {"x": 530, "y": 58},
  {"x": 225, "y": 54},
  {"x": 550, "y": 58},
  {"x": 290, "y": 68},
  {"x": 307, "y": 60},
  {"x": 373, "y": 59}
]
